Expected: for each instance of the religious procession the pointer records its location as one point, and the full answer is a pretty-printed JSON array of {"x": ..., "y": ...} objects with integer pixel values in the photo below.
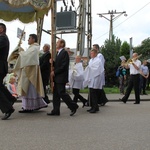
[
  {"x": 31, "y": 74},
  {"x": 33, "y": 71}
]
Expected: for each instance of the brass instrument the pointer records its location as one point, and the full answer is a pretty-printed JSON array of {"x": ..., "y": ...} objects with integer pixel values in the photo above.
[{"x": 130, "y": 60}]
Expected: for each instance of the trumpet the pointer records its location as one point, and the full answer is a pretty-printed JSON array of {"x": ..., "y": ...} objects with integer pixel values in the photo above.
[{"x": 131, "y": 60}]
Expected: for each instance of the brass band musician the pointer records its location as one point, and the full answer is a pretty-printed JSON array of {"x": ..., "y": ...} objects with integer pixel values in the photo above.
[{"x": 134, "y": 67}]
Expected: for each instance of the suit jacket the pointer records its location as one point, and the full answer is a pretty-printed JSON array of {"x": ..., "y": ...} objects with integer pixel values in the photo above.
[
  {"x": 45, "y": 66},
  {"x": 61, "y": 67},
  {"x": 4, "y": 51}
]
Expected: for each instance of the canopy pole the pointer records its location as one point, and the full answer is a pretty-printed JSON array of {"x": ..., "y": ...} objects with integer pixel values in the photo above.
[
  {"x": 53, "y": 37},
  {"x": 39, "y": 28}
]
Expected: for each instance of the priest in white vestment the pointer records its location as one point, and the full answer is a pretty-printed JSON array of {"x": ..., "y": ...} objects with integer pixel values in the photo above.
[
  {"x": 92, "y": 78},
  {"x": 30, "y": 86},
  {"x": 76, "y": 80}
]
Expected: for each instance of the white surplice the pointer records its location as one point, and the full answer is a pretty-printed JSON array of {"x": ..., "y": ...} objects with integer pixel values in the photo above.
[
  {"x": 93, "y": 74},
  {"x": 101, "y": 57},
  {"x": 76, "y": 76}
]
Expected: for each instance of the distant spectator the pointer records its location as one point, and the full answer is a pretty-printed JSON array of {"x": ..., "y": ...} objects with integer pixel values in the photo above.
[
  {"x": 143, "y": 79},
  {"x": 122, "y": 78}
]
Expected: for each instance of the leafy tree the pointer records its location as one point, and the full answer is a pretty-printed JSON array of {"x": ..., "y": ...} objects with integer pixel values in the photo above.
[
  {"x": 144, "y": 49},
  {"x": 125, "y": 50},
  {"x": 111, "y": 52}
]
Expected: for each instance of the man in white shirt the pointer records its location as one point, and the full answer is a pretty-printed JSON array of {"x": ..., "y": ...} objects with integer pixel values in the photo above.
[{"x": 134, "y": 67}]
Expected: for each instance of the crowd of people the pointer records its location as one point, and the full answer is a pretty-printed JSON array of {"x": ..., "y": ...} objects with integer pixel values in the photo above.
[{"x": 32, "y": 74}]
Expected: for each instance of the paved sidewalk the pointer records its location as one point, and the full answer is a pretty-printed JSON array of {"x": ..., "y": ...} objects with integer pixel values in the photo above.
[
  {"x": 111, "y": 97},
  {"x": 115, "y": 97}
]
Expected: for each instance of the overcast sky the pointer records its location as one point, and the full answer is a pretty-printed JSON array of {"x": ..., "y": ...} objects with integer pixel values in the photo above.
[{"x": 135, "y": 25}]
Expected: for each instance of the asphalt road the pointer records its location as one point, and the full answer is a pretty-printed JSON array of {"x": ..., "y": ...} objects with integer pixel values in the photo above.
[{"x": 116, "y": 126}]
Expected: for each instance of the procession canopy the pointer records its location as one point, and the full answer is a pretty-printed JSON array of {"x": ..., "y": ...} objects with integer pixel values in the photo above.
[{"x": 24, "y": 10}]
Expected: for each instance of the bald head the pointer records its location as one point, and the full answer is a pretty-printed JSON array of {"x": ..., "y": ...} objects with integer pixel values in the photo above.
[{"x": 135, "y": 55}]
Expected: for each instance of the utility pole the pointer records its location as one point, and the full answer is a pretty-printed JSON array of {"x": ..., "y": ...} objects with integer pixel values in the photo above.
[
  {"x": 85, "y": 11},
  {"x": 131, "y": 48},
  {"x": 89, "y": 27},
  {"x": 81, "y": 27},
  {"x": 113, "y": 16},
  {"x": 53, "y": 28}
]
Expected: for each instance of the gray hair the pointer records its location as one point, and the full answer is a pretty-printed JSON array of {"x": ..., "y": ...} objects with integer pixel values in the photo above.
[{"x": 47, "y": 45}]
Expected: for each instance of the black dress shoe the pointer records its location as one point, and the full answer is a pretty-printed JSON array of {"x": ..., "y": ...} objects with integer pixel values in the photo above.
[
  {"x": 92, "y": 111},
  {"x": 97, "y": 109},
  {"x": 13, "y": 100},
  {"x": 137, "y": 103},
  {"x": 46, "y": 100},
  {"x": 8, "y": 114},
  {"x": 25, "y": 111},
  {"x": 74, "y": 111},
  {"x": 85, "y": 103},
  {"x": 53, "y": 114},
  {"x": 103, "y": 104},
  {"x": 122, "y": 100},
  {"x": 89, "y": 110}
]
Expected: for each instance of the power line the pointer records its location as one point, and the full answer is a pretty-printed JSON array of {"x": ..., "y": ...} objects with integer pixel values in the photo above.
[
  {"x": 112, "y": 19},
  {"x": 124, "y": 20},
  {"x": 133, "y": 14}
]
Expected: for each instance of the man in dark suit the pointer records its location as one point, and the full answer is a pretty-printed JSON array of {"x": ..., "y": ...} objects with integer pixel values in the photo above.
[
  {"x": 45, "y": 69},
  {"x": 6, "y": 99},
  {"x": 60, "y": 75}
]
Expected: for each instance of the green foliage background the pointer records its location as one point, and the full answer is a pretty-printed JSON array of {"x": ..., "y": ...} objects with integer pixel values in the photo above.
[{"x": 113, "y": 49}]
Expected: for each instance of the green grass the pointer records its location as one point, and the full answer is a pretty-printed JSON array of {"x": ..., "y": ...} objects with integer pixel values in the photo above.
[{"x": 109, "y": 90}]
